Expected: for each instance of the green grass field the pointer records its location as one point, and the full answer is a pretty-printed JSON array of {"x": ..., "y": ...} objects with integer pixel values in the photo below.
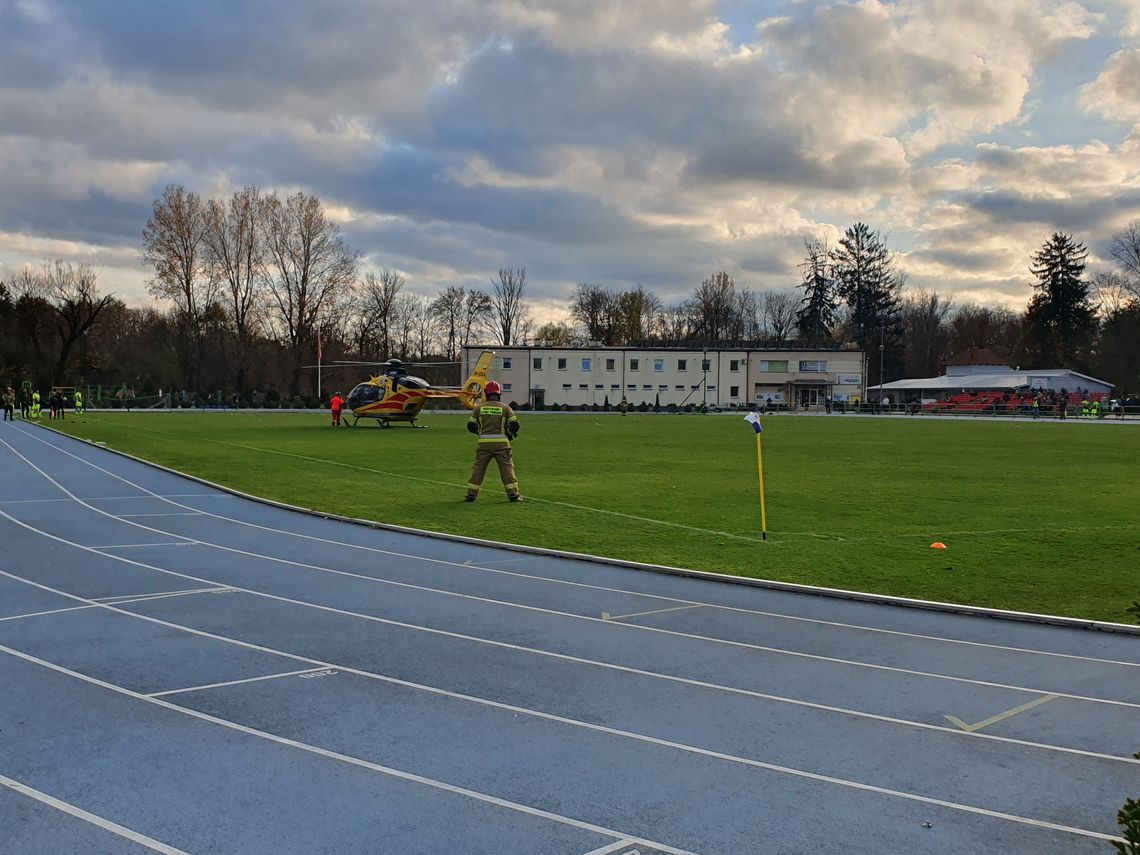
[{"x": 1037, "y": 516}]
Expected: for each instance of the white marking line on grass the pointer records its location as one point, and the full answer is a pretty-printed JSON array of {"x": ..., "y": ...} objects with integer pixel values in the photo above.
[
  {"x": 231, "y": 683},
  {"x": 561, "y": 657},
  {"x": 631, "y": 626},
  {"x": 86, "y": 816},
  {"x": 49, "y": 612},
  {"x": 651, "y": 740},
  {"x": 1001, "y": 716},
  {"x": 608, "y": 616},
  {"x": 344, "y": 758},
  {"x": 480, "y": 566}
]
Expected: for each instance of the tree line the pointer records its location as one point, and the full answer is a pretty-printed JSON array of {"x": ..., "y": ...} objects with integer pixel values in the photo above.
[{"x": 250, "y": 287}]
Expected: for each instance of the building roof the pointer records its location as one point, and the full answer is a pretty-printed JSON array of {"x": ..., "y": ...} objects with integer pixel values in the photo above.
[{"x": 998, "y": 380}]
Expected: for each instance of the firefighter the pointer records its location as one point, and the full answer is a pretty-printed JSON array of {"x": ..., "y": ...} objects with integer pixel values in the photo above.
[
  {"x": 36, "y": 404},
  {"x": 9, "y": 404},
  {"x": 496, "y": 425},
  {"x": 79, "y": 401},
  {"x": 336, "y": 404}
]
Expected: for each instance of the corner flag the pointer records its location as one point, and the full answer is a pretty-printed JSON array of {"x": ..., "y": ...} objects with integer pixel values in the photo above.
[{"x": 753, "y": 418}]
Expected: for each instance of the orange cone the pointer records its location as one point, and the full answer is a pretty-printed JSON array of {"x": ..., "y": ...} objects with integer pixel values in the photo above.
[{"x": 938, "y": 544}]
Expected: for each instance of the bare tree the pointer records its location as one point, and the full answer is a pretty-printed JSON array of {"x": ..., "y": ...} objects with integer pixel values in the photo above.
[
  {"x": 448, "y": 311},
  {"x": 779, "y": 311},
  {"x": 476, "y": 313},
  {"x": 638, "y": 313},
  {"x": 715, "y": 302},
  {"x": 424, "y": 324},
  {"x": 1125, "y": 248},
  {"x": 926, "y": 335},
  {"x": 558, "y": 334},
  {"x": 236, "y": 257},
  {"x": 510, "y": 315},
  {"x": 71, "y": 294},
  {"x": 594, "y": 307},
  {"x": 1112, "y": 292},
  {"x": 174, "y": 245},
  {"x": 678, "y": 321},
  {"x": 309, "y": 271},
  {"x": 378, "y": 302}
]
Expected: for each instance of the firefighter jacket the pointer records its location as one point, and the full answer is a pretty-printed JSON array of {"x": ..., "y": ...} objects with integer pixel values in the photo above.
[
  {"x": 336, "y": 404},
  {"x": 494, "y": 422}
]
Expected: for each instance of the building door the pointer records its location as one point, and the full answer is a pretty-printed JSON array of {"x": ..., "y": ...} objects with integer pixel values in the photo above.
[
  {"x": 811, "y": 396},
  {"x": 538, "y": 398}
]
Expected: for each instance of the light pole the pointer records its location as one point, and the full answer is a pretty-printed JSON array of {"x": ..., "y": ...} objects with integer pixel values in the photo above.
[{"x": 882, "y": 341}]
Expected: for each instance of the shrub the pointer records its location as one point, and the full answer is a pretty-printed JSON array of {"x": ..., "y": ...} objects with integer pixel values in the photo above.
[{"x": 298, "y": 403}]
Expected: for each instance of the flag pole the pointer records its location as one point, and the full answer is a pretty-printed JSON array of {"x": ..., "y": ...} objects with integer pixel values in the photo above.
[
  {"x": 318, "y": 368},
  {"x": 760, "y": 466}
]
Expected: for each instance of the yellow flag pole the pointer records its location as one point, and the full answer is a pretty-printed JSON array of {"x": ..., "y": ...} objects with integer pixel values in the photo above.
[{"x": 760, "y": 466}]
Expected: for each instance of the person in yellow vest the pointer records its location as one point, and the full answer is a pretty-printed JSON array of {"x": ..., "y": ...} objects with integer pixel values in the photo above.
[
  {"x": 79, "y": 402},
  {"x": 496, "y": 425},
  {"x": 36, "y": 404}
]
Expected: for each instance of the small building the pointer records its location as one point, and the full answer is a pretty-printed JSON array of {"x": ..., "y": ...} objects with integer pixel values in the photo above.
[
  {"x": 979, "y": 372},
  {"x": 731, "y": 374}
]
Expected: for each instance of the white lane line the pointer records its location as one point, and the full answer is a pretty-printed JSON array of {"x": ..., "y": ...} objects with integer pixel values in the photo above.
[
  {"x": 49, "y": 612},
  {"x": 612, "y": 731},
  {"x": 143, "y": 545},
  {"x": 608, "y": 616},
  {"x": 573, "y": 616},
  {"x": 136, "y": 597},
  {"x": 333, "y": 755},
  {"x": 230, "y": 683},
  {"x": 476, "y": 565},
  {"x": 618, "y": 846},
  {"x": 562, "y": 656},
  {"x": 86, "y": 816},
  {"x": 49, "y": 501},
  {"x": 166, "y": 514}
]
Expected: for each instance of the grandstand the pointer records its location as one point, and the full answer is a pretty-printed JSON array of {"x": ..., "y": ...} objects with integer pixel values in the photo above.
[{"x": 979, "y": 380}]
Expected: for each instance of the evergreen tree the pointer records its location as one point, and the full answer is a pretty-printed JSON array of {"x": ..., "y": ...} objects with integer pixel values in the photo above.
[
  {"x": 866, "y": 280},
  {"x": 1059, "y": 321},
  {"x": 816, "y": 316}
]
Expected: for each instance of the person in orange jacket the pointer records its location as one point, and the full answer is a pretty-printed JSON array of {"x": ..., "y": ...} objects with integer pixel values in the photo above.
[{"x": 337, "y": 404}]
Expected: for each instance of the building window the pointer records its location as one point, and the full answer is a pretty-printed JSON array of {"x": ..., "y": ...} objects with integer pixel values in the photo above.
[
  {"x": 813, "y": 366},
  {"x": 583, "y": 385},
  {"x": 680, "y": 387},
  {"x": 506, "y": 387},
  {"x": 682, "y": 365},
  {"x": 599, "y": 385},
  {"x": 506, "y": 362},
  {"x": 632, "y": 387},
  {"x": 538, "y": 363},
  {"x": 704, "y": 365},
  {"x": 734, "y": 391},
  {"x": 610, "y": 363},
  {"x": 633, "y": 364},
  {"x": 585, "y": 363},
  {"x": 734, "y": 365},
  {"x": 565, "y": 385},
  {"x": 658, "y": 365},
  {"x": 711, "y": 388},
  {"x": 648, "y": 386},
  {"x": 615, "y": 386},
  {"x": 774, "y": 366},
  {"x": 663, "y": 387},
  {"x": 562, "y": 363}
]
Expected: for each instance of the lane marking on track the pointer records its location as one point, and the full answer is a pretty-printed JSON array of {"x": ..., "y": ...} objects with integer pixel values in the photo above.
[
  {"x": 86, "y": 816},
  {"x": 970, "y": 728},
  {"x": 165, "y": 514},
  {"x": 49, "y": 612},
  {"x": 136, "y": 598},
  {"x": 608, "y": 616},
  {"x": 598, "y": 728},
  {"x": 232, "y": 682},
  {"x": 144, "y": 545},
  {"x": 619, "y": 846},
  {"x": 570, "y": 658},
  {"x": 344, "y": 758},
  {"x": 480, "y": 566}
]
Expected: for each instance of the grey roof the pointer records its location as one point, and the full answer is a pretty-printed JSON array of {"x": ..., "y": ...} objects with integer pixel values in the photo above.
[{"x": 1000, "y": 380}]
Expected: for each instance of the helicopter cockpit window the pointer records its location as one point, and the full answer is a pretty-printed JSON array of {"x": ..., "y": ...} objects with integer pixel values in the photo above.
[{"x": 365, "y": 392}]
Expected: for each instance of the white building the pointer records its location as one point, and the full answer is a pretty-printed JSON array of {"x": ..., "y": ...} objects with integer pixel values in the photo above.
[{"x": 673, "y": 375}]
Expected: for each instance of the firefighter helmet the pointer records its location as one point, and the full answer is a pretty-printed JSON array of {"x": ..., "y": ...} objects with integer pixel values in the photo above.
[{"x": 493, "y": 388}]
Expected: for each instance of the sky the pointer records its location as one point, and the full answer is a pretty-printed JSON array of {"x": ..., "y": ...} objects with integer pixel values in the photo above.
[{"x": 650, "y": 142}]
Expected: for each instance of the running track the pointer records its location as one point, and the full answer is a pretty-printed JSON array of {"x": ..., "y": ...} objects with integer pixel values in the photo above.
[{"x": 184, "y": 670}]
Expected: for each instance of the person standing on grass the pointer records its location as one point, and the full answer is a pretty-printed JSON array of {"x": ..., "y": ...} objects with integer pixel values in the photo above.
[
  {"x": 78, "y": 398},
  {"x": 9, "y": 404},
  {"x": 336, "y": 405},
  {"x": 496, "y": 425},
  {"x": 624, "y": 405}
]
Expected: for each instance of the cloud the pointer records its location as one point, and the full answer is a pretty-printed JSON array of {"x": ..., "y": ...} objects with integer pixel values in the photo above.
[{"x": 1114, "y": 92}]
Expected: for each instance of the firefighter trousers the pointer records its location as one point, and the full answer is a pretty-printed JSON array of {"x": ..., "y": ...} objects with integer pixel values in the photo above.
[{"x": 501, "y": 454}]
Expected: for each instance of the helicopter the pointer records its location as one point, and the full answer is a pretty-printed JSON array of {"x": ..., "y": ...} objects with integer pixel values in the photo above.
[{"x": 394, "y": 395}]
